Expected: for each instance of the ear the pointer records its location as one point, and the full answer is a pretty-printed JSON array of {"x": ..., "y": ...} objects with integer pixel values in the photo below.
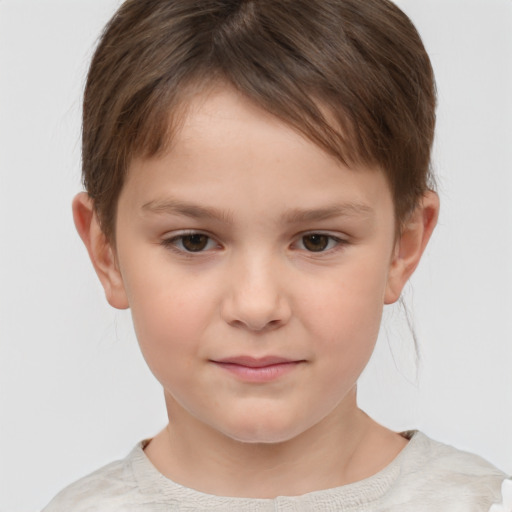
[
  {"x": 100, "y": 250},
  {"x": 411, "y": 244}
]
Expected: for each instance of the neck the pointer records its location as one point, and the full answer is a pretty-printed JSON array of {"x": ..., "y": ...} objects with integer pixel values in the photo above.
[{"x": 345, "y": 447}]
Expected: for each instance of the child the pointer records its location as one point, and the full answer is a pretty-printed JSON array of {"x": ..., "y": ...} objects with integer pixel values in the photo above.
[{"x": 257, "y": 177}]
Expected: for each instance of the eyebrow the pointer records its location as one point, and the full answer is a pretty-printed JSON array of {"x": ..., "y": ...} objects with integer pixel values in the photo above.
[
  {"x": 293, "y": 216},
  {"x": 351, "y": 209},
  {"x": 195, "y": 211}
]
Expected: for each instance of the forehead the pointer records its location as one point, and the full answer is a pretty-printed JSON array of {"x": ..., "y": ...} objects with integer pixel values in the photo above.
[{"x": 227, "y": 148}]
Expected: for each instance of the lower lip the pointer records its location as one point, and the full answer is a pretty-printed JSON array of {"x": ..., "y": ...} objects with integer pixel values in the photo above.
[{"x": 259, "y": 374}]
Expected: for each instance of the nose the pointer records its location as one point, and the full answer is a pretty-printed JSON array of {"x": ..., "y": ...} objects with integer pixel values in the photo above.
[{"x": 256, "y": 297}]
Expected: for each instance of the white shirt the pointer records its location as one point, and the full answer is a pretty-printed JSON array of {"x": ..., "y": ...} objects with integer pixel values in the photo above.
[{"x": 426, "y": 476}]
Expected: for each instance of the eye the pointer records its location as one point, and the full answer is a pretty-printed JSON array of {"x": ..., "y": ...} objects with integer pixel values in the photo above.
[
  {"x": 318, "y": 242},
  {"x": 190, "y": 242}
]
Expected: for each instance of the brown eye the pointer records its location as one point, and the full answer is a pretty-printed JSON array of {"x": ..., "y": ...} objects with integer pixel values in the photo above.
[
  {"x": 316, "y": 242},
  {"x": 194, "y": 243}
]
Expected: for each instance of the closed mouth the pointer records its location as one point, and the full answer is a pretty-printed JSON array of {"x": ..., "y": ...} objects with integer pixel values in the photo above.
[
  {"x": 258, "y": 370},
  {"x": 256, "y": 362}
]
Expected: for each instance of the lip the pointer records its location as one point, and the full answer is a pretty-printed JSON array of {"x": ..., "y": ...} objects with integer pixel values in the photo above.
[{"x": 258, "y": 369}]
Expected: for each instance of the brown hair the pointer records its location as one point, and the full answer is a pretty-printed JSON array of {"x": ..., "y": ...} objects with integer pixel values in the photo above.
[{"x": 351, "y": 75}]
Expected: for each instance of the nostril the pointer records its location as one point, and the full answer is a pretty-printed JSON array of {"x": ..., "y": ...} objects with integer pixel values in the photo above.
[
  {"x": 257, "y": 326},
  {"x": 255, "y": 308}
]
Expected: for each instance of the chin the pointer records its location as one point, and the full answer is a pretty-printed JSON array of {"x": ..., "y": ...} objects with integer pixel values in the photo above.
[{"x": 258, "y": 432}]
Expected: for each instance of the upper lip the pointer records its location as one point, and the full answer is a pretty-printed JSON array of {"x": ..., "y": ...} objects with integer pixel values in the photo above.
[{"x": 256, "y": 362}]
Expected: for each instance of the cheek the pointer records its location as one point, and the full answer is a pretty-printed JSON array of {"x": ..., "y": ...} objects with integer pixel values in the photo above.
[
  {"x": 343, "y": 315},
  {"x": 350, "y": 302},
  {"x": 170, "y": 312},
  {"x": 168, "y": 328}
]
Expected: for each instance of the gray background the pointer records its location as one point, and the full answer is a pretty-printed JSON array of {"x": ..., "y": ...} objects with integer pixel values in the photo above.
[{"x": 74, "y": 390}]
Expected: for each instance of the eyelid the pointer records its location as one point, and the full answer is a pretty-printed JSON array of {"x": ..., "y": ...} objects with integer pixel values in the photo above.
[
  {"x": 338, "y": 238},
  {"x": 169, "y": 241}
]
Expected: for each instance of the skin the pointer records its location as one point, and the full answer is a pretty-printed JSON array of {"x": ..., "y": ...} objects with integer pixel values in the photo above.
[{"x": 298, "y": 257}]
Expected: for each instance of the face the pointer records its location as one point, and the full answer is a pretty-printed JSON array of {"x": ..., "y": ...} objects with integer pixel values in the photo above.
[{"x": 256, "y": 267}]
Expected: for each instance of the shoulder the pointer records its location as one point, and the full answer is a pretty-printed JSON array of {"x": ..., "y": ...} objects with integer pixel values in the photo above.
[
  {"x": 506, "y": 494},
  {"x": 109, "y": 489},
  {"x": 447, "y": 478}
]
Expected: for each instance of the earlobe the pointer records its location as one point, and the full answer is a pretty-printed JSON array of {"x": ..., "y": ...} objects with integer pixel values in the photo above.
[
  {"x": 100, "y": 250},
  {"x": 409, "y": 248}
]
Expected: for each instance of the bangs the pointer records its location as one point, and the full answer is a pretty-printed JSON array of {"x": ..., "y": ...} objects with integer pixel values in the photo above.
[{"x": 351, "y": 76}]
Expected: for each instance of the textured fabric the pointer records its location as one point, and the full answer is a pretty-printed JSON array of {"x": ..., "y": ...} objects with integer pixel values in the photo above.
[
  {"x": 506, "y": 496},
  {"x": 426, "y": 476}
]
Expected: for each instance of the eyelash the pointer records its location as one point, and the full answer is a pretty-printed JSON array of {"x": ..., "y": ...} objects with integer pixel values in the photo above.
[
  {"x": 172, "y": 242},
  {"x": 338, "y": 242},
  {"x": 334, "y": 242}
]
